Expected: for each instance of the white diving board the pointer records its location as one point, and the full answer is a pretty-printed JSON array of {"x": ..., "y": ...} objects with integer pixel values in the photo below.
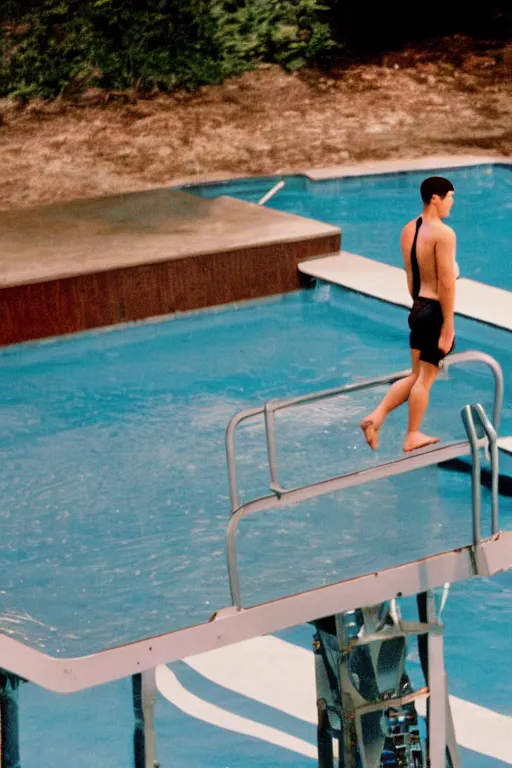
[
  {"x": 475, "y": 300},
  {"x": 505, "y": 444}
]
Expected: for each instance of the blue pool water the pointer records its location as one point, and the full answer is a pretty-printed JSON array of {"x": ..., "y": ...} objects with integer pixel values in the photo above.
[
  {"x": 115, "y": 504},
  {"x": 371, "y": 211},
  {"x": 113, "y": 476}
]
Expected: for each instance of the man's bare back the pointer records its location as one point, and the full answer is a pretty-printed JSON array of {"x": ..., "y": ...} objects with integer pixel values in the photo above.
[{"x": 432, "y": 236}]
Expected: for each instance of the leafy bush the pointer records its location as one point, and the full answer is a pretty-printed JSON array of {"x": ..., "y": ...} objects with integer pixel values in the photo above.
[
  {"x": 55, "y": 46},
  {"x": 294, "y": 33},
  {"x": 154, "y": 43},
  {"x": 44, "y": 51},
  {"x": 49, "y": 47},
  {"x": 110, "y": 44}
]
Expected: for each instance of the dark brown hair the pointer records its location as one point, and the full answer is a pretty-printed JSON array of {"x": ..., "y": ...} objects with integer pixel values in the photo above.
[{"x": 435, "y": 185}]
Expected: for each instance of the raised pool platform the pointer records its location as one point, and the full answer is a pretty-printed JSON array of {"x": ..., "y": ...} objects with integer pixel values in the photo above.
[{"x": 98, "y": 262}]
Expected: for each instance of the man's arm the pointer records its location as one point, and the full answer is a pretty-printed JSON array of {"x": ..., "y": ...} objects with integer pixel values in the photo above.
[
  {"x": 445, "y": 263},
  {"x": 404, "y": 244}
]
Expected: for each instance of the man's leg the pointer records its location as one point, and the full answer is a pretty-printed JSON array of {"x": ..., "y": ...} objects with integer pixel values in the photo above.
[
  {"x": 398, "y": 393},
  {"x": 418, "y": 403}
]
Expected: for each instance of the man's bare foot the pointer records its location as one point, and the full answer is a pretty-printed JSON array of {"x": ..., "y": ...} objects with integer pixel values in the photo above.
[
  {"x": 415, "y": 440},
  {"x": 371, "y": 433}
]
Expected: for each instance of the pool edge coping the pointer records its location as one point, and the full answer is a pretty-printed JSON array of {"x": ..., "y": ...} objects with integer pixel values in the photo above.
[
  {"x": 365, "y": 168},
  {"x": 427, "y": 162}
]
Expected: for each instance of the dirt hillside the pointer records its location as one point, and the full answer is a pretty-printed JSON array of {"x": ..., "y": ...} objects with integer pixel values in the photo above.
[{"x": 455, "y": 97}]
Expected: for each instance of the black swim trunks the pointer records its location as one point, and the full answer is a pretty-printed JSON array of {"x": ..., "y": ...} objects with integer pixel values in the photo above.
[
  {"x": 425, "y": 317},
  {"x": 426, "y": 322}
]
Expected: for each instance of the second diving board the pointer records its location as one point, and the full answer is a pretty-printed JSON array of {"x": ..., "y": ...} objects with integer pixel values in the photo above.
[{"x": 475, "y": 300}]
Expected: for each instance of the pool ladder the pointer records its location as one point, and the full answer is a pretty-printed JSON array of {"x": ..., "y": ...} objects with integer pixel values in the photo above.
[{"x": 371, "y": 711}]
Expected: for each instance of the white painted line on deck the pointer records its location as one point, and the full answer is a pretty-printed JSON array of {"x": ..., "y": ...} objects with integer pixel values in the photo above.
[
  {"x": 170, "y": 687},
  {"x": 475, "y": 300},
  {"x": 281, "y": 675}
]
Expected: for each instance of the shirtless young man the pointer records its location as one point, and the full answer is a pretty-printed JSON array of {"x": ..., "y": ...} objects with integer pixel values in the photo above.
[{"x": 428, "y": 248}]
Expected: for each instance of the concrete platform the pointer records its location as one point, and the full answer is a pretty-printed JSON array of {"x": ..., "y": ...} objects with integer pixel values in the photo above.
[{"x": 90, "y": 263}]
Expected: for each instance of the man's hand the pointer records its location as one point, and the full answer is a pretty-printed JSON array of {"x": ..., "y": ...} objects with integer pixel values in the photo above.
[{"x": 446, "y": 338}]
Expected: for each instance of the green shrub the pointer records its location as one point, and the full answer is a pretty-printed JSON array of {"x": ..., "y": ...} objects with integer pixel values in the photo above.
[
  {"x": 49, "y": 47},
  {"x": 60, "y": 45},
  {"x": 111, "y": 44},
  {"x": 44, "y": 51},
  {"x": 293, "y": 33},
  {"x": 154, "y": 44}
]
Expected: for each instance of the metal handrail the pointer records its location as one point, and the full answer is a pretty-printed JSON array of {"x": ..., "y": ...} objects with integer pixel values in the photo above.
[
  {"x": 418, "y": 460},
  {"x": 269, "y": 409},
  {"x": 467, "y": 417},
  {"x": 268, "y": 195}
]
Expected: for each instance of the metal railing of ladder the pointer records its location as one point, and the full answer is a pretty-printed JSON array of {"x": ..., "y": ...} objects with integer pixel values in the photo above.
[
  {"x": 283, "y": 497},
  {"x": 270, "y": 194},
  {"x": 467, "y": 416}
]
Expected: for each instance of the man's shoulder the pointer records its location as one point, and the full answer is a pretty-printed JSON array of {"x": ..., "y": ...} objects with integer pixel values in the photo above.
[
  {"x": 409, "y": 227},
  {"x": 445, "y": 233}
]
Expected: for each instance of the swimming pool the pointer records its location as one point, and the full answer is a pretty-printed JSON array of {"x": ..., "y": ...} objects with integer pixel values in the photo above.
[
  {"x": 371, "y": 211},
  {"x": 115, "y": 495},
  {"x": 113, "y": 470}
]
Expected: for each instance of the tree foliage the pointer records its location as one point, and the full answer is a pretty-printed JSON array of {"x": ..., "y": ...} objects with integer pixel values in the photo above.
[
  {"x": 294, "y": 33},
  {"x": 50, "y": 47},
  {"x": 58, "y": 45},
  {"x": 110, "y": 44}
]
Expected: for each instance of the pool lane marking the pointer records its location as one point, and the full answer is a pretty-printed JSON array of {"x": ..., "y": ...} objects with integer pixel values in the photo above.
[
  {"x": 475, "y": 300},
  {"x": 170, "y": 687},
  {"x": 281, "y": 675}
]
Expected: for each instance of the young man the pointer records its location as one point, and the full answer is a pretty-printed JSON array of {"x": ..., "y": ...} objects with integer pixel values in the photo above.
[{"x": 428, "y": 248}]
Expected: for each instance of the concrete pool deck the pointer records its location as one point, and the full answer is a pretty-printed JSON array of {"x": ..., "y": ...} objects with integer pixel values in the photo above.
[
  {"x": 98, "y": 262},
  {"x": 433, "y": 162}
]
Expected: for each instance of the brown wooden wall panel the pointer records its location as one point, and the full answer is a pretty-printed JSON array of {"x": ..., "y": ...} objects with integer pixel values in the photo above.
[{"x": 73, "y": 304}]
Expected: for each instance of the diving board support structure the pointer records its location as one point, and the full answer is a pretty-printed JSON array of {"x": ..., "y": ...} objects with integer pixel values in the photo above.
[{"x": 144, "y": 696}]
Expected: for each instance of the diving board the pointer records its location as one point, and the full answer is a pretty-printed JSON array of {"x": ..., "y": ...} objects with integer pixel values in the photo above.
[
  {"x": 505, "y": 444},
  {"x": 475, "y": 300}
]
